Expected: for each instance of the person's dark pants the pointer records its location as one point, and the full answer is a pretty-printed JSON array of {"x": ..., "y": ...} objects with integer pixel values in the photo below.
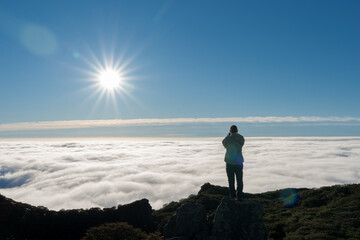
[{"x": 232, "y": 171}]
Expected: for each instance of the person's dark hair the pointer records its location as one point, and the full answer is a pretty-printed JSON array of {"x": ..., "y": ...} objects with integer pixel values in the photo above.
[{"x": 233, "y": 129}]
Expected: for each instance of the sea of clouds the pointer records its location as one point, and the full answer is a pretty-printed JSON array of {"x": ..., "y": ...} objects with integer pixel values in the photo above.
[{"x": 62, "y": 174}]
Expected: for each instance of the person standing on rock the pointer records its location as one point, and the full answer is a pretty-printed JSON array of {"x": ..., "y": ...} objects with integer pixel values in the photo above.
[{"x": 234, "y": 159}]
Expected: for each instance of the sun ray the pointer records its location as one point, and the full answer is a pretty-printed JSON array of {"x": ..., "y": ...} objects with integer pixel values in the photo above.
[{"x": 110, "y": 79}]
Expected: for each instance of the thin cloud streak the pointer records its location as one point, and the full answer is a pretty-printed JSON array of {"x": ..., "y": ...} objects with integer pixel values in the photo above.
[{"x": 72, "y": 124}]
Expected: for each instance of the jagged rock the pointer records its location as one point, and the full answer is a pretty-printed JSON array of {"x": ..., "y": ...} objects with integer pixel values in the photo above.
[
  {"x": 188, "y": 222},
  {"x": 213, "y": 189},
  {"x": 239, "y": 220},
  {"x": 138, "y": 213}
]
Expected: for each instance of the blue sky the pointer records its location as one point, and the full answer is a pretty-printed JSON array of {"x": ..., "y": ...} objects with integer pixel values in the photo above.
[{"x": 181, "y": 59}]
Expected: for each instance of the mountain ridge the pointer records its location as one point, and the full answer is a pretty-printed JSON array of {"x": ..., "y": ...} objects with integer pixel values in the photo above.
[{"x": 331, "y": 212}]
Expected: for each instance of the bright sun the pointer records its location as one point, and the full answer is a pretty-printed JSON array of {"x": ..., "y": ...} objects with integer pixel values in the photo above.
[{"x": 109, "y": 79}]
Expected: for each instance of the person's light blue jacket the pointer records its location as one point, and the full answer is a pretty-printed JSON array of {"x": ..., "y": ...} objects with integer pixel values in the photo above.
[{"x": 233, "y": 144}]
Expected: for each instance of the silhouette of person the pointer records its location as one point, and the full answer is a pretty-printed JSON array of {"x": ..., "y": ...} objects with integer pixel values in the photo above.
[{"x": 234, "y": 159}]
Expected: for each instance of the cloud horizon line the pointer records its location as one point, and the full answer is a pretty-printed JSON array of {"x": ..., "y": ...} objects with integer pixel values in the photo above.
[{"x": 73, "y": 124}]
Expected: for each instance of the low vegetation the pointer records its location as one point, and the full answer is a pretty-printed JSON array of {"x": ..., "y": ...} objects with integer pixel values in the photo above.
[{"x": 118, "y": 231}]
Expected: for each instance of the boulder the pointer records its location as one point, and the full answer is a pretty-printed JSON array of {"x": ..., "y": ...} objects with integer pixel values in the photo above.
[
  {"x": 189, "y": 222},
  {"x": 138, "y": 214},
  {"x": 239, "y": 220}
]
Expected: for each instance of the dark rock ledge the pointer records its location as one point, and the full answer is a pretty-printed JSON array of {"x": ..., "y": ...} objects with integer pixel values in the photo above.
[{"x": 234, "y": 220}]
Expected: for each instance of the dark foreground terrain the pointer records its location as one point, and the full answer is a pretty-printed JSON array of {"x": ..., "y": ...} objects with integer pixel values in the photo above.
[{"x": 325, "y": 213}]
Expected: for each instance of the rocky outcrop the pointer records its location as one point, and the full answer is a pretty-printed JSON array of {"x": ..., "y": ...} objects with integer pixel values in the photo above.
[
  {"x": 189, "y": 222},
  {"x": 239, "y": 220},
  {"x": 23, "y": 221},
  {"x": 234, "y": 220},
  {"x": 138, "y": 214}
]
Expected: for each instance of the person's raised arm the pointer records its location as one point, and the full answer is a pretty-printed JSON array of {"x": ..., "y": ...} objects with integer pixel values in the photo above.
[{"x": 226, "y": 140}]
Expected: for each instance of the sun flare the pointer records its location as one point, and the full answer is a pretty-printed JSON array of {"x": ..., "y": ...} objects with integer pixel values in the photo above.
[{"x": 109, "y": 79}]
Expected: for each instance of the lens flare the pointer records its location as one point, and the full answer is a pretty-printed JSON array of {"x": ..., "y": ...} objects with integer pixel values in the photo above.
[{"x": 289, "y": 197}]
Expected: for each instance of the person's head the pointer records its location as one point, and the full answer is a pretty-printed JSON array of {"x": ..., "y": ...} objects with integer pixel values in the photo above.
[{"x": 233, "y": 129}]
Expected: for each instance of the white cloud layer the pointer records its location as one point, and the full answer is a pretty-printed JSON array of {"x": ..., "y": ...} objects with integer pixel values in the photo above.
[
  {"x": 47, "y": 125},
  {"x": 83, "y": 174}
]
